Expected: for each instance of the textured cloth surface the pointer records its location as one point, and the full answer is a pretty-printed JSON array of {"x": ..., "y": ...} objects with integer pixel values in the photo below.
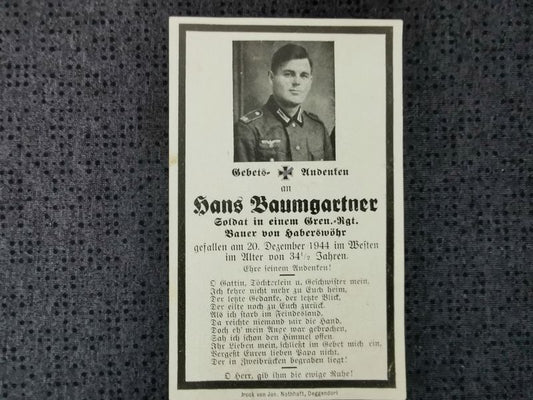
[{"x": 83, "y": 193}]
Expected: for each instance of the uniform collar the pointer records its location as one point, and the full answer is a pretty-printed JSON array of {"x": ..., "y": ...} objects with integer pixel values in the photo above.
[{"x": 282, "y": 116}]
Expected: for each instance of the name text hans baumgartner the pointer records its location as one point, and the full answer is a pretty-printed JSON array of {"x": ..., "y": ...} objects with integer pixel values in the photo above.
[{"x": 260, "y": 204}]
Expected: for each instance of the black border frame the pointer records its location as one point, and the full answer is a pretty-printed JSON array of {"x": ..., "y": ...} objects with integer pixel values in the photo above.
[{"x": 286, "y": 384}]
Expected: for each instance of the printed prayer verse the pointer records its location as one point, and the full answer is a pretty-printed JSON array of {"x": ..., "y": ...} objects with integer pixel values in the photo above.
[{"x": 287, "y": 309}]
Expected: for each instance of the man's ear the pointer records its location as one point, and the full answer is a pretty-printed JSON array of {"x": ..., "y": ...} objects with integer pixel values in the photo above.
[{"x": 270, "y": 76}]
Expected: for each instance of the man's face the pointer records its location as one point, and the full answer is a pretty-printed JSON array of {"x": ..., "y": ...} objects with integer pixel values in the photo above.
[{"x": 291, "y": 82}]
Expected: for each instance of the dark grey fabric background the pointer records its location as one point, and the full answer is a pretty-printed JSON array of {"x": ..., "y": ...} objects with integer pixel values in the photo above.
[{"x": 83, "y": 193}]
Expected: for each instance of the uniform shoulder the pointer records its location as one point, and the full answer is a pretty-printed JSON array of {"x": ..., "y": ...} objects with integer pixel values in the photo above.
[
  {"x": 251, "y": 116},
  {"x": 313, "y": 116}
]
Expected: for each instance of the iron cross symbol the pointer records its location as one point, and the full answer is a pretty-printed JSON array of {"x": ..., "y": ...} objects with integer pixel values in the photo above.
[{"x": 285, "y": 172}]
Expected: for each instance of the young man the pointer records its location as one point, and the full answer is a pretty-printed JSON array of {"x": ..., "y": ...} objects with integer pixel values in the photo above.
[{"x": 281, "y": 130}]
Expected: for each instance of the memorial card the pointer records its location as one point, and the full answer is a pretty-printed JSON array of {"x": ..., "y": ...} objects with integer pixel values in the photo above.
[{"x": 286, "y": 209}]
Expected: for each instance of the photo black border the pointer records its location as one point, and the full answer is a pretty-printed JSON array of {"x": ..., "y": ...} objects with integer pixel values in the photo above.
[{"x": 286, "y": 384}]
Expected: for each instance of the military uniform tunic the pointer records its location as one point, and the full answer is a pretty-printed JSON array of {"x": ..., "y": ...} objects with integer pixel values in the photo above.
[{"x": 269, "y": 134}]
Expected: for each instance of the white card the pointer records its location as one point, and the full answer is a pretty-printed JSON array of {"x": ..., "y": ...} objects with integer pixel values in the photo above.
[{"x": 286, "y": 209}]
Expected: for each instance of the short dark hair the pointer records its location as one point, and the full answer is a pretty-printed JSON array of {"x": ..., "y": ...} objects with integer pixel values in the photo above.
[{"x": 289, "y": 52}]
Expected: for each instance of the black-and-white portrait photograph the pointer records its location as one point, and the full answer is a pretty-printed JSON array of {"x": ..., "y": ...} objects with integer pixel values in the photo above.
[{"x": 284, "y": 101}]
